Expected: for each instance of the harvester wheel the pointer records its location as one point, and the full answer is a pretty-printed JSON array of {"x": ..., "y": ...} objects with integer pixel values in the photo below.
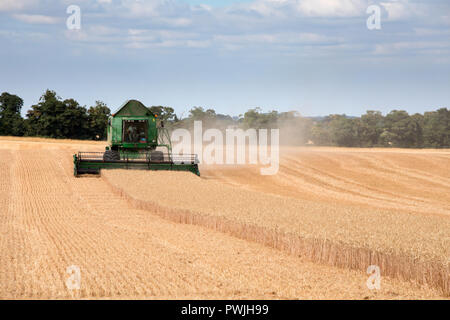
[
  {"x": 111, "y": 155},
  {"x": 156, "y": 156}
]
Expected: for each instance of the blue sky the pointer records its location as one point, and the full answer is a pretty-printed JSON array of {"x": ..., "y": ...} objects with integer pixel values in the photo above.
[
  {"x": 313, "y": 56},
  {"x": 215, "y": 3}
]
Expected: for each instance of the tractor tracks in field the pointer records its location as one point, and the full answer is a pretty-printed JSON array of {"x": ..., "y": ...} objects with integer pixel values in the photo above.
[
  {"x": 400, "y": 182},
  {"x": 54, "y": 220},
  {"x": 318, "y": 250}
]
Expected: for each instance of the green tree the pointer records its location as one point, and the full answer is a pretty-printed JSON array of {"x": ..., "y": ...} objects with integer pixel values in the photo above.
[
  {"x": 320, "y": 132},
  {"x": 371, "y": 128},
  {"x": 98, "y": 120},
  {"x": 401, "y": 130},
  {"x": 436, "y": 128},
  {"x": 54, "y": 118},
  {"x": 417, "y": 128},
  {"x": 11, "y": 122},
  {"x": 208, "y": 117},
  {"x": 344, "y": 131},
  {"x": 166, "y": 114},
  {"x": 73, "y": 121},
  {"x": 41, "y": 117},
  {"x": 199, "y": 113},
  {"x": 256, "y": 119}
]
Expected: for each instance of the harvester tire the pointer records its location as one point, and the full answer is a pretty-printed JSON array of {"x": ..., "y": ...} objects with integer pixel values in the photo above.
[
  {"x": 157, "y": 156},
  {"x": 111, "y": 155}
]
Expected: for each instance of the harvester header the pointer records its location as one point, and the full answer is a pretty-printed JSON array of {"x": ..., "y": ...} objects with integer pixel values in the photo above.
[{"x": 135, "y": 141}]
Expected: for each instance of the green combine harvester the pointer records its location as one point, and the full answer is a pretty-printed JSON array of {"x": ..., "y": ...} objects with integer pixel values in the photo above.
[{"x": 133, "y": 139}]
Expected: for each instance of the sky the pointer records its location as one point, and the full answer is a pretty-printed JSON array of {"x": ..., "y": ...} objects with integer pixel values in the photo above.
[{"x": 316, "y": 57}]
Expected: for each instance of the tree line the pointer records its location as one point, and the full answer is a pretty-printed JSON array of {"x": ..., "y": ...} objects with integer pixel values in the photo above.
[{"x": 54, "y": 117}]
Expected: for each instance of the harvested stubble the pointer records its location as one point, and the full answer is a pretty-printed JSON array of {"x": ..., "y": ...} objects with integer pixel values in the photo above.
[
  {"x": 50, "y": 220},
  {"x": 405, "y": 245},
  {"x": 395, "y": 179}
]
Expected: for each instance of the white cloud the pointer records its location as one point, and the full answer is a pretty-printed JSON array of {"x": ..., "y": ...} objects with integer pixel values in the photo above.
[
  {"x": 135, "y": 32},
  {"x": 404, "y": 9},
  {"x": 431, "y": 32},
  {"x": 16, "y": 5},
  {"x": 176, "y": 22},
  {"x": 269, "y": 7},
  {"x": 96, "y": 34},
  {"x": 146, "y": 38},
  {"x": 275, "y": 38},
  {"x": 332, "y": 8},
  {"x": 297, "y": 26},
  {"x": 169, "y": 44},
  {"x": 29, "y": 36},
  {"x": 308, "y": 8},
  {"x": 245, "y": 39},
  {"x": 202, "y": 7},
  {"x": 142, "y": 8},
  {"x": 37, "y": 19},
  {"x": 183, "y": 43},
  {"x": 137, "y": 45},
  {"x": 101, "y": 30},
  {"x": 76, "y": 35},
  {"x": 410, "y": 46}
]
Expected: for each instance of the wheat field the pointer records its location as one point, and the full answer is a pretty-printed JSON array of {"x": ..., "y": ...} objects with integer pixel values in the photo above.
[{"x": 309, "y": 232}]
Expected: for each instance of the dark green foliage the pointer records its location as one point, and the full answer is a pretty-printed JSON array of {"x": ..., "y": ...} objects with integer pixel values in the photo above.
[
  {"x": 320, "y": 133},
  {"x": 337, "y": 130},
  {"x": 401, "y": 130},
  {"x": 199, "y": 114},
  {"x": 11, "y": 122},
  {"x": 436, "y": 128},
  {"x": 371, "y": 126},
  {"x": 98, "y": 121},
  {"x": 166, "y": 114},
  {"x": 255, "y": 118},
  {"x": 57, "y": 118},
  {"x": 72, "y": 121},
  {"x": 344, "y": 131},
  {"x": 396, "y": 129},
  {"x": 209, "y": 118}
]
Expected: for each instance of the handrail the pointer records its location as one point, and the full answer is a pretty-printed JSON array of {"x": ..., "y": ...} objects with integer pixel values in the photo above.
[{"x": 140, "y": 157}]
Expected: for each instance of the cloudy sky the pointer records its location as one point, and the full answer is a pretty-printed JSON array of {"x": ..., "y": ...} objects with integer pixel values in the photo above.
[{"x": 313, "y": 56}]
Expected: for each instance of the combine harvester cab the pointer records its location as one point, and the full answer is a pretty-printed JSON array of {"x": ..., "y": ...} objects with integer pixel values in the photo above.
[{"x": 133, "y": 137}]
